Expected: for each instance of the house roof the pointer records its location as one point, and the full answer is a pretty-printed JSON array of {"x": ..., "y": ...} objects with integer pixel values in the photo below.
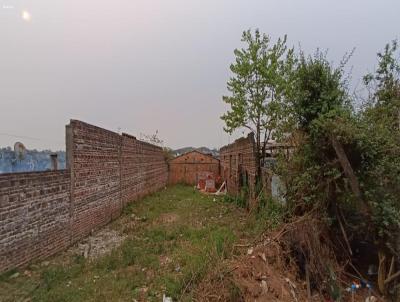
[{"x": 194, "y": 151}]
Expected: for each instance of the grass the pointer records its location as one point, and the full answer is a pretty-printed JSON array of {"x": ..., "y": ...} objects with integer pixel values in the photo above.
[{"x": 179, "y": 237}]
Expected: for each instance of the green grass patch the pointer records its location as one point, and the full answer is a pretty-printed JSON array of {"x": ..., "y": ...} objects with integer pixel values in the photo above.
[{"x": 178, "y": 236}]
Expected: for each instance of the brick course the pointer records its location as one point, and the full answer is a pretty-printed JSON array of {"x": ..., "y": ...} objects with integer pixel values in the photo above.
[
  {"x": 143, "y": 170},
  {"x": 42, "y": 213},
  {"x": 95, "y": 166},
  {"x": 34, "y": 216}
]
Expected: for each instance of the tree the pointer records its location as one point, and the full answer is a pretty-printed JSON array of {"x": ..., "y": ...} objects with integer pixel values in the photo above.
[
  {"x": 260, "y": 76},
  {"x": 347, "y": 167},
  {"x": 381, "y": 150},
  {"x": 384, "y": 85}
]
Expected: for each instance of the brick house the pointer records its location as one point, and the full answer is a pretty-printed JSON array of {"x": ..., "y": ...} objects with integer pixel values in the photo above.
[{"x": 188, "y": 168}]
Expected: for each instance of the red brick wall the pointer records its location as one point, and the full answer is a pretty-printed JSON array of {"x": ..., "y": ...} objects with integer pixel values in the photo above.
[
  {"x": 143, "y": 168},
  {"x": 185, "y": 168},
  {"x": 42, "y": 213},
  {"x": 95, "y": 168},
  {"x": 108, "y": 171},
  {"x": 239, "y": 158},
  {"x": 34, "y": 216}
]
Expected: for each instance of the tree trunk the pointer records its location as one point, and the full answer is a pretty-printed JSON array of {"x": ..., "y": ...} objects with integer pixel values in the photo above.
[{"x": 348, "y": 171}]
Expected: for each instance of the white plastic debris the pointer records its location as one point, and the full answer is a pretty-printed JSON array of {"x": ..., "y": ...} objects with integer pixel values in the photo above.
[
  {"x": 166, "y": 299},
  {"x": 264, "y": 286}
]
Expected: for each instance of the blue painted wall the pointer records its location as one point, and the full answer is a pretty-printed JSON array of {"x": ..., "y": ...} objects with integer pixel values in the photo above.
[{"x": 34, "y": 161}]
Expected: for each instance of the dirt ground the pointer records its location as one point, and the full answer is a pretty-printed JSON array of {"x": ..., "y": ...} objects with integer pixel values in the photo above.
[{"x": 258, "y": 274}]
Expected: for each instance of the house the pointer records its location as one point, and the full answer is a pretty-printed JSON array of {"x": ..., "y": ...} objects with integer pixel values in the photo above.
[{"x": 188, "y": 168}]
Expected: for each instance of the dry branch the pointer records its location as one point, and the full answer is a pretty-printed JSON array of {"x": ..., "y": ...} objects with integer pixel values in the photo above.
[{"x": 348, "y": 171}]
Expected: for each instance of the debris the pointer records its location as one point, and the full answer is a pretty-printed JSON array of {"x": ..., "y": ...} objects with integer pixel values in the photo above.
[
  {"x": 371, "y": 299},
  {"x": 164, "y": 260},
  {"x": 264, "y": 286},
  {"x": 222, "y": 189},
  {"x": 86, "y": 251},
  {"x": 144, "y": 290},
  {"x": 98, "y": 244},
  {"x": 45, "y": 263},
  {"x": 27, "y": 273},
  {"x": 250, "y": 251},
  {"x": 166, "y": 299},
  {"x": 262, "y": 256},
  {"x": 206, "y": 182},
  {"x": 290, "y": 283},
  {"x": 372, "y": 270},
  {"x": 15, "y": 275}
]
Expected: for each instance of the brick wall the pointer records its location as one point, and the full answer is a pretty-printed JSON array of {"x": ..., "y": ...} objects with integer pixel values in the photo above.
[
  {"x": 42, "y": 213},
  {"x": 238, "y": 164},
  {"x": 186, "y": 168},
  {"x": 143, "y": 170},
  {"x": 95, "y": 168},
  {"x": 34, "y": 216}
]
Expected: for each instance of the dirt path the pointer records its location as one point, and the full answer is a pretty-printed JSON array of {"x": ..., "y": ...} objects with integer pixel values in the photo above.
[{"x": 164, "y": 244}]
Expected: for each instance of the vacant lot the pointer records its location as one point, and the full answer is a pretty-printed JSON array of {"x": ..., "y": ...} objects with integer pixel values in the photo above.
[{"x": 163, "y": 244}]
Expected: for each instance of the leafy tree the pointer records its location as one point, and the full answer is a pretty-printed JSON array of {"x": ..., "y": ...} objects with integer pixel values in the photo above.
[
  {"x": 337, "y": 139},
  {"x": 260, "y": 74},
  {"x": 315, "y": 104},
  {"x": 384, "y": 86},
  {"x": 380, "y": 143}
]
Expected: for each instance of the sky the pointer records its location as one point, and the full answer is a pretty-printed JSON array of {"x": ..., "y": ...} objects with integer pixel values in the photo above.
[{"x": 139, "y": 66}]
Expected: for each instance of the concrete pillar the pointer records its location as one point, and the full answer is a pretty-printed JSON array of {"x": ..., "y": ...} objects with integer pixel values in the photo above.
[{"x": 54, "y": 162}]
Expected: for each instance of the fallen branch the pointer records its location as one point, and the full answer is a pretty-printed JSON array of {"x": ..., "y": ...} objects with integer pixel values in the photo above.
[
  {"x": 392, "y": 277},
  {"x": 348, "y": 171},
  {"x": 391, "y": 267},
  {"x": 308, "y": 283},
  {"x": 344, "y": 232}
]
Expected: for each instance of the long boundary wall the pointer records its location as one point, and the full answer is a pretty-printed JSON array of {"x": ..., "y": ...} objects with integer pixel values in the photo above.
[{"x": 42, "y": 213}]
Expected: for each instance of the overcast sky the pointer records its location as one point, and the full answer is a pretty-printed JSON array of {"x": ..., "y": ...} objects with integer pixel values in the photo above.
[{"x": 147, "y": 65}]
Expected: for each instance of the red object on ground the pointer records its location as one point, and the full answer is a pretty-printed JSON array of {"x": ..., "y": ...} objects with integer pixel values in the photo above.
[{"x": 206, "y": 182}]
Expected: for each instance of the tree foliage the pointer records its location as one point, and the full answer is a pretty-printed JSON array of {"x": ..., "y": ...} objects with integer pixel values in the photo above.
[
  {"x": 366, "y": 192},
  {"x": 259, "y": 78},
  {"x": 345, "y": 169}
]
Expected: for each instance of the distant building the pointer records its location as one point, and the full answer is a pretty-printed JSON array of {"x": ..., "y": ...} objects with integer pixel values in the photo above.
[{"x": 188, "y": 168}]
